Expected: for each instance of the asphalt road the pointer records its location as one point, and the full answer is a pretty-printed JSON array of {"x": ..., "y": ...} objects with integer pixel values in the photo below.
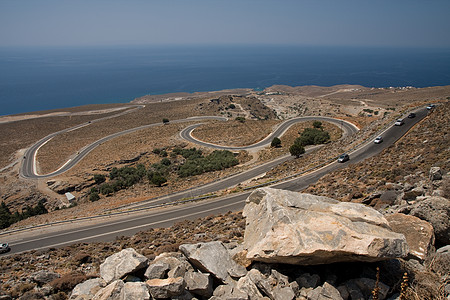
[
  {"x": 107, "y": 228},
  {"x": 28, "y": 167},
  {"x": 347, "y": 127}
]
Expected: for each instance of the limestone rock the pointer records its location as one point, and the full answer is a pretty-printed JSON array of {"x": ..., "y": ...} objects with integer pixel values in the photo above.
[
  {"x": 246, "y": 285},
  {"x": 134, "y": 291},
  {"x": 435, "y": 210},
  {"x": 295, "y": 228},
  {"x": 228, "y": 292},
  {"x": 157, "y": 270},
  {"x": 122, "y": 263},
  {"x": 199, "y": 283},
  {"x": 110, "y": 292},
  {"x": 168, "y": 265},
  {"x": 419, "y": 234},
  {"x": 213, "y": 258},
  {"x": 87, "y": 289},
  {"x": 325, "y": 292},
  {"x": 166, "y": 288}
]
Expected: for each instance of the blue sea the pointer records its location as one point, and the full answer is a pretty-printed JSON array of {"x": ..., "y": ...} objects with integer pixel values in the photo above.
[{"x": 33, "y": 79}]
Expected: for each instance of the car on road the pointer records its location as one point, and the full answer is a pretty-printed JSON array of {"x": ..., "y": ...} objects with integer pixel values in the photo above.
[
  {"x": 431, "y": 106},
  {"x": 378, "y": 140},
  {"x": 4, "y": 247},
  {"x": 412, "y": 115},
  {"x": 343, "y": 158},
  {"x": 399, "y": 122}
]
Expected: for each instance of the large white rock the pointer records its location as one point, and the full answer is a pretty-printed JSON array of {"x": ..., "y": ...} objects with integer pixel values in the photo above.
[
  {"x": 122, "y": 263},
  {"x": 295, "y": 228}
]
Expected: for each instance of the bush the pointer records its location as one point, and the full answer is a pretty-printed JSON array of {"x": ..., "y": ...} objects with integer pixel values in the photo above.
[
  {"x": 312, "y": 136},
  {"x": 165, "y": 162},
  {"x": 94, "y": 196},
  {"x": 217, "y": 160},
  {"x": 99, "y": 178},
  {"x": 317, "y": 124},
  {"x": 157, "y": 179},
  {"x": 240, "y": 119},
  {"x": 276, "y": 143},
  {"x": 296, "y": 150}
]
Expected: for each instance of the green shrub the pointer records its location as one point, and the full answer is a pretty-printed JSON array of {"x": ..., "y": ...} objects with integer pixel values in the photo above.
[
  {"x": 217, "y": 160},
  {"x": 99, "y": 178},
  {"x": 312, "y": 136},
  {"x": 296, "y": 150},
  {"x": 276, "y": 143},
  {"x": 94, "y": 196}
]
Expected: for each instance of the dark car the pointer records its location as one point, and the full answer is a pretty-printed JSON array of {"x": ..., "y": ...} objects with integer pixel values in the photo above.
[
  {"x": 343, "y": 158},
  {"x": 412, "y": 115},
  {"x": 4, "y": 247}
]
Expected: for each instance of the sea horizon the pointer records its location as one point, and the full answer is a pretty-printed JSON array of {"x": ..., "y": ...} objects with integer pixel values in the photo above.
[{"x": 45, "y": 78}]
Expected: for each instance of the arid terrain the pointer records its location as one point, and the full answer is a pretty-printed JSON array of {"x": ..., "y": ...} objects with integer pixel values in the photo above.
[
  {"x": 368, "y": 108},
  {"x": 391, "y": 180}
]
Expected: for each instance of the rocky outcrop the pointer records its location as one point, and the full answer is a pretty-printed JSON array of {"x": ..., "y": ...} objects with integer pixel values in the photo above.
[
  {"x": 287, "y": 222},
  {"x": 295, "y": 228}
]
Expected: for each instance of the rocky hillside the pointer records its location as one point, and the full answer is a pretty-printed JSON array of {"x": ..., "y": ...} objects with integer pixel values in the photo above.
[{"x": 295, "y": 246}]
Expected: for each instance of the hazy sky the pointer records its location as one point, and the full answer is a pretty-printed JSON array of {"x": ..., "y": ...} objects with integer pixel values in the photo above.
[{"x": 403, "y": 23}]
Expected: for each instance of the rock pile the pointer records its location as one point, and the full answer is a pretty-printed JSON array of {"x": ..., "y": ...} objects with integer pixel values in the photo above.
[{"x": 286, "y": 232}]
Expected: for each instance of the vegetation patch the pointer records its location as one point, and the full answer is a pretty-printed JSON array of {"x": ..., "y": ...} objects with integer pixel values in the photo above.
[{"x": 182, "y": 163}]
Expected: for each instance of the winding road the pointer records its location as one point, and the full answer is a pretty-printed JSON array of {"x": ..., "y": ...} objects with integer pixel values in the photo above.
[{"x": 106, "y": 228}]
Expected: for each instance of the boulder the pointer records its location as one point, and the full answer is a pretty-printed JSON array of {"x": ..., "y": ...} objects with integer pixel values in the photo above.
[
  {"x": 157, "y": 270},
  {"x": 276, "y": 286},
  {"x": 295, "y": 228},
  {"x": 419, "y": 234},
  {"x": 214, "y": 258},
  {"x": 325, "y": 292},
  {"x": 122, "y": 263},
  {"x": 436, "y": 211},
  {"x": 228, "y": 292},
  {"x": 246, "y": 285},
  {"x": 43, "y": 277},
  {"x": 166, "y": 288},
  {"x": 168, "y": 265},
  {"x": 435, "y": 173},
  {"x": 134, "y": 291},
  {"x": 87, "y": 289},
  {"x": 111, "y": 291},
  {"x": 199, "y": 283}
]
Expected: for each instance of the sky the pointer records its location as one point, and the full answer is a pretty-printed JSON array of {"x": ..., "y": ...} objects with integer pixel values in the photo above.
[{"x": 374, "y": 23}]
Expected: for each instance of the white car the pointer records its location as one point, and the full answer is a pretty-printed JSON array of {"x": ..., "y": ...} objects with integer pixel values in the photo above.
[
  {"x": 4, "y": 247},
  {"x": 378, "y": 140},
  {"x": 399, "y": 122}
]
